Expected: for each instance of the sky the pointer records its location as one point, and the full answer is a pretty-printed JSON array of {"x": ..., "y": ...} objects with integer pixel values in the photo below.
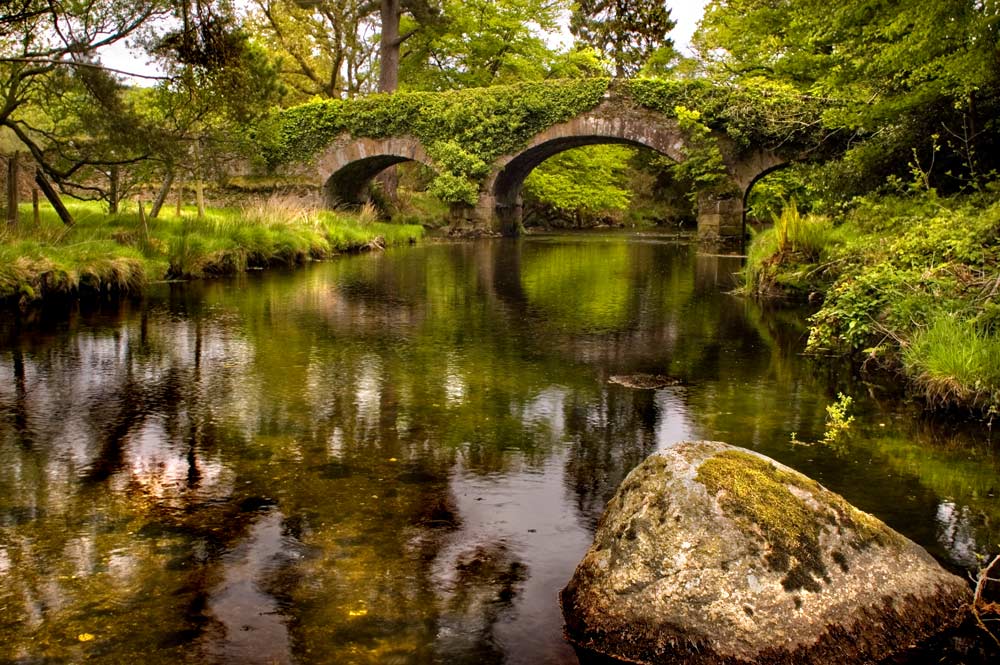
[{"x": 687, "y": 13}]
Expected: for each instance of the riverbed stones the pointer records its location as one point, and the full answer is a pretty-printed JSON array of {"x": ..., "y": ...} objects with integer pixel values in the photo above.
[{"x": 712, "y": 554}]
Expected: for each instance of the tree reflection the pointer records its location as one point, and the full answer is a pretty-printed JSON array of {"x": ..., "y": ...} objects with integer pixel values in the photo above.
[{"x": 341, "y": 464}]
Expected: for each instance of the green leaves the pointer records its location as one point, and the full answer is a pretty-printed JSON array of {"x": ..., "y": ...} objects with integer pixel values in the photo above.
[
  {"x": 891, "y": 72},
  {"x": 463, "y": 131},
  {"x": 585, "y": 181},
  {"x": 757, "y": 113},
  {"x": 630, "y": 32}
]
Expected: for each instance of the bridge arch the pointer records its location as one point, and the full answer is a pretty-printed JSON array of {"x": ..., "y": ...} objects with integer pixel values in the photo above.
[
  {"x": 606, "y": 124},
  {"x": 348, "y": 165}
]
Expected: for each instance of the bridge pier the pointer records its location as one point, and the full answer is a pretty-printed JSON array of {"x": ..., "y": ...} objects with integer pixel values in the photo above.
[
  {"x": 720, "y": 217},
  {"x": 510, "y": 219}
]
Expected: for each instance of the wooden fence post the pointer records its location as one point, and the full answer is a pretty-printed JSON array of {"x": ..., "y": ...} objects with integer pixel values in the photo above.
[{"x": 12, "y": 188}]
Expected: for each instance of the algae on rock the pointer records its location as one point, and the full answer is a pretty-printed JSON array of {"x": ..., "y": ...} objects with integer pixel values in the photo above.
[{"x": 711, "y": 554}]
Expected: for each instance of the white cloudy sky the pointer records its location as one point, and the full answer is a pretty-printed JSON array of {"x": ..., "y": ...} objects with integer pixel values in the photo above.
[{"x": 687, "y": 13}]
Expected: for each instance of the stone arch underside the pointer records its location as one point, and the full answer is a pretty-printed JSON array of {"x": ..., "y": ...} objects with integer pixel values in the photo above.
[
  {"x": 508, "y": 182},
  {"x": 348, "y": 165},
  {"x": 777, "y": 166},
  {"x": 609, "y": 123}
]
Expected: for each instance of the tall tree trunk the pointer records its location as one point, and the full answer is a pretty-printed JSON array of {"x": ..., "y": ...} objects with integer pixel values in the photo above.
[
  {"x": 113, "y": 194},
  {"x": 161, "y": 196},
  {"x": 13, "y": 174},
  {"x": 388, "y": 69},
  {"x": 388, "y": 78},
  {"x": 53, "y": 196},
  {"x": 199, "y": 184}
]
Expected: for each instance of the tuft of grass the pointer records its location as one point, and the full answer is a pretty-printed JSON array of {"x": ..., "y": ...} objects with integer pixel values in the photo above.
[
  {"x": 781, "y": 260},
  {"x": 954, "y": 361},
  {"x": 367, "y": 213},
  {"x": 807, "y": 236}
]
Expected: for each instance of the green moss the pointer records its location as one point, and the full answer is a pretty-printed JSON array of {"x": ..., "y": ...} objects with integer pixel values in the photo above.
[
  {"x": 756, "y": 114},
  {"x": 756, "y": 492}
]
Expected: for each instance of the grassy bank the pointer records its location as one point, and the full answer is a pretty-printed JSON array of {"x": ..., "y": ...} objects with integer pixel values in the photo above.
[
  {"x": 118, "y": 253},
  {"x": 912, "y": 284}
]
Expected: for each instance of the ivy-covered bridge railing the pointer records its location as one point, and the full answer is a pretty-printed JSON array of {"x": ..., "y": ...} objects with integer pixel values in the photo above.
[{"x": 483, "y": 142}]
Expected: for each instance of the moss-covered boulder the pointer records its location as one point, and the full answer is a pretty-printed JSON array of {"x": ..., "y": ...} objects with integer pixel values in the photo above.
[{"x": 715, "y": 554}]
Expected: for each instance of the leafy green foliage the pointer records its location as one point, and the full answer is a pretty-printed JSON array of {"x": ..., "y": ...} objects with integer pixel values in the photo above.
[
  {"x": 757, "y": 113},
  {"x": 911, "y": 282},
  {"x": 909, "y": 259},
  {"x": 322, "y": 45},
  {"x": 704, "y": 166},
  {"x": 629, "y": 32},
  {"x": 838, "y": 419},
  {"x": 463, "y": 130},
  {"x": 585, "y": 183},
  {"x": 900, "y": 71},
  {"x": 484, "y": 42}
]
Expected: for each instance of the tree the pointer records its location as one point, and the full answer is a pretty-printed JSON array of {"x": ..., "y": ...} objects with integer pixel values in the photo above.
[
  {"x": 88, "y": 132},
  {"x": 391, "y": 38},
  {"x": 480, "y": 42},
  {"x": 582, "y": 186},
  {"x": 897, "y": 72},
  {"x": 629, "y": 32},
  {"x": 326, "y": 46},
  {"x": 219, "y": 83},
  {"x": 48, "y": 65}
]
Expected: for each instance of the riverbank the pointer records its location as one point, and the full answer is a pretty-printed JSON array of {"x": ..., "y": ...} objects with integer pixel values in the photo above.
[
  {"x": 122, "y": 253},
  {"x": 911, "y": 284}
]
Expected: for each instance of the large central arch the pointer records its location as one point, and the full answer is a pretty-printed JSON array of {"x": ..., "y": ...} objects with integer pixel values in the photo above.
[{"x": 606, "y": 124}]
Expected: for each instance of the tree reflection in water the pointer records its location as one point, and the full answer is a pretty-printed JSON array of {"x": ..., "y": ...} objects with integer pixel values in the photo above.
[{"x": 400, "y": 458}]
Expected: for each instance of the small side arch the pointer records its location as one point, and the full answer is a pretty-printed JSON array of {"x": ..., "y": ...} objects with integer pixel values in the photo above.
[
  {"x": 757, "y": 178},
  {"x": 348, "y": 165}
]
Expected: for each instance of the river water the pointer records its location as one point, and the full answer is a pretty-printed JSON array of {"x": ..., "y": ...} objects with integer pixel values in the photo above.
[{"x": 401, "y": 457}]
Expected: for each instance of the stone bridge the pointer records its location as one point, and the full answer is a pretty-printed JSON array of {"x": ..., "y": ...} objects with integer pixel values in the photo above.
[{"x": 348, "y": 164}]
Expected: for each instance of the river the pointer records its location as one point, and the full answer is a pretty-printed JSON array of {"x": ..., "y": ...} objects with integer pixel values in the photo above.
[{"x": 400, "y": 457}]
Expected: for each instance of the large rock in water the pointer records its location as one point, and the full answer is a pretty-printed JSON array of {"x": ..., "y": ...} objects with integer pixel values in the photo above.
[{"x": 714, "y": 554}]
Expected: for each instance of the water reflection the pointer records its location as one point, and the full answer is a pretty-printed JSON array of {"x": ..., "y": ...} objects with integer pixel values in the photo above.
[{"x": 400, "y": 458}]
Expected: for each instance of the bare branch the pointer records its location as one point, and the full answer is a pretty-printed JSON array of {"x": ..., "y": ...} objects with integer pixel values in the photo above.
[{"x": 77, "y": 63}]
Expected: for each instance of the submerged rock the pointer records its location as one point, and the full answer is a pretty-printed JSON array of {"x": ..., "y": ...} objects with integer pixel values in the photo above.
[
  {"x": 714, "y": 554},
  {"x": 644, "y": 381}
]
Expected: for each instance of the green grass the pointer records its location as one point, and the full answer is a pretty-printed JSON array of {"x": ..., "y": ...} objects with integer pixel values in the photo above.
[
  {"x": 911, "y": 283},
  {"x": 955, "y": 362},
  {"x": 116, "y": 253},
  {"x": 782, "y": 260}
]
